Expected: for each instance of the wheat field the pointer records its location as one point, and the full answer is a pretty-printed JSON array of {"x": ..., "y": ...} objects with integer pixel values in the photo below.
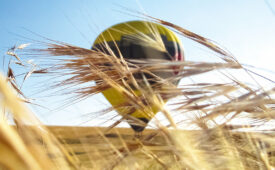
[{"x": 215, "y": 143}]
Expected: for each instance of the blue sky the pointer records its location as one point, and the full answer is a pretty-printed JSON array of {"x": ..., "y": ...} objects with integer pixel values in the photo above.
[{"x": 246, "y": 28}]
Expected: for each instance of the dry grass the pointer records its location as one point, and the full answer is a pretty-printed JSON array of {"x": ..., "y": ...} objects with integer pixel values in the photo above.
[
  {"x": 29, "y": 145},
  {"x": 217, "y": 144}
]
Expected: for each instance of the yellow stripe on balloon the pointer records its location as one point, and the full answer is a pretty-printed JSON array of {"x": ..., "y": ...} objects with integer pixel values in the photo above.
[
  {"x": 134, "y": 27},
  {"x": 117, "y": 98}
]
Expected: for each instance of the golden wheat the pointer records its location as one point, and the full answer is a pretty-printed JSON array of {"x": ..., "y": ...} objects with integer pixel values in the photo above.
[{"x": 215, "y": 145}]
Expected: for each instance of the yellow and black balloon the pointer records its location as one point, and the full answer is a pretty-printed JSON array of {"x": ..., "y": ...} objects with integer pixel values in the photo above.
[{"x": 132, "y": 41}]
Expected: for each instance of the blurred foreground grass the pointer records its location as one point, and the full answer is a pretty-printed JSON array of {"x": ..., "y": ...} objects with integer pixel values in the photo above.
[{"x": 30, "y": 145}]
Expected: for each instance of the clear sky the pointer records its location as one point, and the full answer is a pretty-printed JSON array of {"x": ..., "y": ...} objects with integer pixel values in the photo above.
[{"x": 246, "y": 28}]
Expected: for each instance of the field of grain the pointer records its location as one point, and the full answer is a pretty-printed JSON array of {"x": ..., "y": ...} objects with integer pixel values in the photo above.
[
  {"x": 28, "y": 144},
  {"x": 91, "y": 147}
]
